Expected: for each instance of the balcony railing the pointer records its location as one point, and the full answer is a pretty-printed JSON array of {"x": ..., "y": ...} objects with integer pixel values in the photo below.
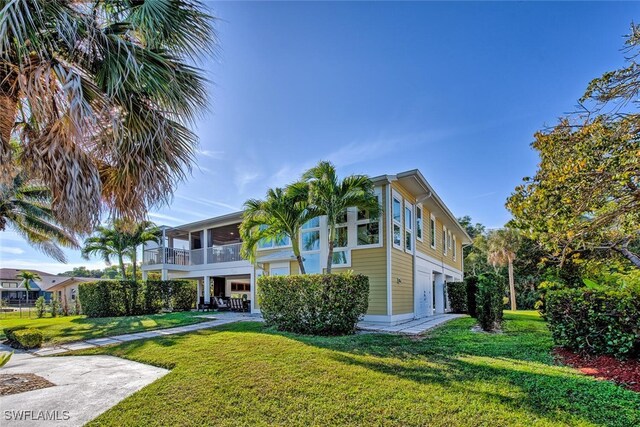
[{"x": 214, "y": 255}]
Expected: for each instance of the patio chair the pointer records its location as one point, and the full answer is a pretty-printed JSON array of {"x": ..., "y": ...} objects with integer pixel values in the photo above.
[
  {"x": 221, "y": 305},
  {"x": 236, "y": 304}
]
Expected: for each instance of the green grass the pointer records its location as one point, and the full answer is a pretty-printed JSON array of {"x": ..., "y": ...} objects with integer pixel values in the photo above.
[
  {"x": 245, "y": 374},
  {"x": 59, "y": 330}
]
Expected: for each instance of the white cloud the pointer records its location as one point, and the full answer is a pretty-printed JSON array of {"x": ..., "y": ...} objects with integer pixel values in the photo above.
[
  {"x": 244, "y": 177},
  {"x": 11, "y": 250},
  {"x": 206, "y": 202},
  {"x": 166, "y": 218},
  {"x": 211, "y": 154}
]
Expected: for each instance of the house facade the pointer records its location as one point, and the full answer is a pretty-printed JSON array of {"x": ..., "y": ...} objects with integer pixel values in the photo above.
[
  {"x": 13, "y": 292},
  {"x": 408, "y": 252}
]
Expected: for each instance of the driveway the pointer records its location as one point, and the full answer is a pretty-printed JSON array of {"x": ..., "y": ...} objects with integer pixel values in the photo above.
[{"x": 84, "y": 387}]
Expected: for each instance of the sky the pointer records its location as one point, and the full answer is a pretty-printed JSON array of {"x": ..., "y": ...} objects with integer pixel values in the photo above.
[{"x": 454, "y": 89}]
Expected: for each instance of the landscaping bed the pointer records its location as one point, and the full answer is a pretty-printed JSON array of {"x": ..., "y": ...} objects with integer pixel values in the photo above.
[
  {"x": 19, "y": 383},
  {"x": 623, "y": 372}
]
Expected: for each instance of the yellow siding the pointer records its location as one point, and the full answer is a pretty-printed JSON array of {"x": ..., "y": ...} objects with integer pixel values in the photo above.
[
  {"x": 402, "y": 267},
  {"x": 437, "y": 253}
]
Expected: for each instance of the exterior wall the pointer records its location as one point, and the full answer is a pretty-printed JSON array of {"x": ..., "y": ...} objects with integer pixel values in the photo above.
[
  {"x": 438, "y": 253},
  {"x": 402, "y": 266}
]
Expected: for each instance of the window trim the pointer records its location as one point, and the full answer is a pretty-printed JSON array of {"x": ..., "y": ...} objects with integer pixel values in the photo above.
[
  {"x": 410, "y": 229},
  {"x": 433, "y": 232},
  {"x": 354, "y": 222},
  {"x": 444, "y": 240},
  {"x": 395, "y": 196},
  {"x": 455, "y": 247},
  {"x": 421, "y": 218}
]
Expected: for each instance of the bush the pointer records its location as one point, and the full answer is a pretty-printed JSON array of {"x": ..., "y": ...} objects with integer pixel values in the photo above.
[
  {"x": 27, "y": 338},
  {"x": 471, "y": 283},
  {"x": 457, "y": 292},
  {"x": 8, "y": 332},
  {"x": 595, "y": 321},
  {"x": 41, "y": 307},
  {"x": 55, "y": 307},
  {"x": 317, "y": 304},
  {"x": 489, "y": 299},
  {"x": 112, "y": 298}
]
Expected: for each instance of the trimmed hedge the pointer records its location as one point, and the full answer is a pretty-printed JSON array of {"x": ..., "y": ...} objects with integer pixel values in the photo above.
[
  {"x": 315, "y": 304},
  {"x": 21, "y": 337},
  {"x": 489, "y": 300},
  {"x": 457, "y": 292},
  {"x": 114, "y": 298},
  {"x": 595, "y": 321},
  {"x": 471, "y": 283}
]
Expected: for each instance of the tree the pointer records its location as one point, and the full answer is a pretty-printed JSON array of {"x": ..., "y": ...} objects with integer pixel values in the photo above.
[
  {"x": 25, "y": 207},
  {"x": 120, "y": 240},
  {"x": 100, "y": 95},
  {"x": 27, "y": 277},
  {"x": 279, "y": 216},
  {"x": 503, "y": 245},
  {"x": 585, "y": 197},
  {"x": 330, "y": 196}
]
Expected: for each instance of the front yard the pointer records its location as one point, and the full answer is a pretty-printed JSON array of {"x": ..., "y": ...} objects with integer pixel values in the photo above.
[
  {"x": 244, "y": 374},
  {"x": 64, "y": 329}
]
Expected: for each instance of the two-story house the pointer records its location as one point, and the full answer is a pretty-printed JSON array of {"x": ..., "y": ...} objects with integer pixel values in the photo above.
[{"x": 409, "y": 252}]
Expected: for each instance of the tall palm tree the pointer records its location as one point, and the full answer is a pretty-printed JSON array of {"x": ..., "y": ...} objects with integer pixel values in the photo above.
[
  {"x": 25, "y": 207},
  {"x": 330, "y": 196},
  {"x": 27, "y": 277},
  {"x": 279, "y": 216},
  {"x": 100, "y": 95},
  {"x": 503, "y": 245},
  {"x": 120, "y": 240}
]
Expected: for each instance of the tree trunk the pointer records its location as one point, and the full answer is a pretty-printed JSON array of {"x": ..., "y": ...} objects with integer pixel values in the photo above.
[
  {"x": 512, "y": 286},
  {"x": 301, "y": 264},
  {"x": 8, "y": 111},
  {"x": 296, "y": 251},
  {"x": 134, "y": 262},
  {"x": 635, "y": 259},
  {"x": 122, "y": 269}
]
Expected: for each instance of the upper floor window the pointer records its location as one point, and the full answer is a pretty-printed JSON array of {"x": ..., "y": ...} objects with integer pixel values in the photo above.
[
  {"x": 444, "y": 239},
  {"x": 449, "y": 240},
  {"x": 432, "y": 229},
  {"x": 419, "y": 222},
  {"x": 310, "y": 238},
  {"x": 397, "y": 221},
  {"x": 408, "y": 227},
  {"x": 341, "y": 240},
  {"x": 279, "y": 242},
  {"x": 455, "y": 248},
  {"x": 367, "y": 231}
]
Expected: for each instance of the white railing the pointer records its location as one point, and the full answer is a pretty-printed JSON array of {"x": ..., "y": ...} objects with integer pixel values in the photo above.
[{"x": 214, "y": 255}]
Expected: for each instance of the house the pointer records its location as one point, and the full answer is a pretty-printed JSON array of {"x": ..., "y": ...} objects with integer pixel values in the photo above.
[
  {"x": 66, "y": 291},
  {"x": 408, "y": 253},
  {"x": 13, "y": 292}
]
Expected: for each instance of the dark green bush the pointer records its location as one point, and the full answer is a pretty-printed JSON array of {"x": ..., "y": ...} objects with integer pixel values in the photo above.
[
  {"x": 26, "y": 338},
  {"x": 112, "y": 298},
  {"x": 595, "y": 321},
  {"x": 457, "y": 292},
  {"x": 317, "y": 304},
  {"x": 8, "y": 332},
  {"x": 471, "y": 283},
  {"x": 489, "y": 300}
]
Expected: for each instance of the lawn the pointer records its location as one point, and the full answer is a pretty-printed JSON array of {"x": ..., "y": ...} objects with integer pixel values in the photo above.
[
  {"x": 245, "y": 374},
  {"x": 58, "y": 330}
]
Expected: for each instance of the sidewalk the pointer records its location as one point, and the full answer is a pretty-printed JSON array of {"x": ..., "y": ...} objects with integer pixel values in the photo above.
[
  {"x": 411, "y": 327},
  {"x": 218, "y": 319}
]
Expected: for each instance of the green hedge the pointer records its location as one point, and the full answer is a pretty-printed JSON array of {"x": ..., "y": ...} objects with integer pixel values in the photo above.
[
  {"x": 595, "y": 321},
  {"x": 489, "y": 300},
  {"x": 21, "y": 337},
  {"x": 113, "y": 298},
  {"x": 316, "y": 304},
  {"x": 471, "y": 283},
  {"x": 457, "y": 292}
]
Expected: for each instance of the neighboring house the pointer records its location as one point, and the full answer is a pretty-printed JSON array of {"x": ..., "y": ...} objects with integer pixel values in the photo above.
[
  {"x": 13, "y": 292},
  {"x": 67, "y": 292},
  {"x": 409, "y": 252}
]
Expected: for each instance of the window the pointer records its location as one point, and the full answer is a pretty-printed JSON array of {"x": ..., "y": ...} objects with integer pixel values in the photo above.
[
  {"x": 280, "y": 242},
  {"x": 341, "y": 241},
  {"x": 449, "y": 240},
  {"x": 310, "y": 250},
  {"x": 444, "y": 239},
  {"x": 240, "y": 287},
  {"x": 73, "y": 294},
  {"x": 367, "y": 232},
  {"x": 432, "y": 229},
  {"x": 455, "y": 248},
  {"x": 397, "y": 221},
  {"x": 408, "y": 227},
  {"x": 419, "y": 222}
]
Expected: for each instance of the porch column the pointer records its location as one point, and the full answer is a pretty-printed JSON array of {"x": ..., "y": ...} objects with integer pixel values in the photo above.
[
  {"x": 205, "y": 245},
  {"x": 164, "y": 274},
  {"x": 207, "y": 289},
  {"x": 199, "y": 291}
]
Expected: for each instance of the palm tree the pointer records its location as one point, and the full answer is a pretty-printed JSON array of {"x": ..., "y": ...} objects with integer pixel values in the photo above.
[
  {"x": 25, "y": 207},
  {"x": 330, "y": 196},
  {"x": 100, "y": 94},
  {"x": 121, "y": 240},
  {"x": 502, "y": 248},
  {"x": 27, "y": 277},
  {"x": 279, "y": 216}
]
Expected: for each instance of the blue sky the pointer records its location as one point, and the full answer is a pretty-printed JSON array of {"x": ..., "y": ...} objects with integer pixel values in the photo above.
[{"x": 454, "y": 89}]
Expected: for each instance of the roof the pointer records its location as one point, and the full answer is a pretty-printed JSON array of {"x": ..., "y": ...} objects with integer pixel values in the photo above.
[
  {"x": 285, "y": 255},
  {"x": 47, "y": 280},
  {"x": 70, "y": 281},
  {"x": 11, "y": 273}
]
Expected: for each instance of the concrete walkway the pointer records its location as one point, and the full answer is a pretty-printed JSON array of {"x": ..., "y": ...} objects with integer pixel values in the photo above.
[
  {"x": 218, "y": 319},
  {"x": 411, "y": 327},
  {"x": 84, "y": 387}
]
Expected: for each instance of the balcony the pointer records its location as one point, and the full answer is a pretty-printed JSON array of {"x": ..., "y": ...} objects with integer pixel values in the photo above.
[{"x": 185, "y": 257}]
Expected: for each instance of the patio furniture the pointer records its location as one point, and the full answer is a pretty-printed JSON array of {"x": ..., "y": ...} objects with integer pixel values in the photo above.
[
  {"x": 221, "y": 304},
  {"x": 236, "y": 304}
]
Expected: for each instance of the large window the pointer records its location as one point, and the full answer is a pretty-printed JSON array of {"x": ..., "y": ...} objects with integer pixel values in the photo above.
[
  {"x": 281, "y": 242},
  {"x": 419, "y": 224},
  {"x": 455, "y": 248},
  {"x": 397, "y": 221},
  {"x": 444, "y": 239},
  {"x": 310, "y": 237},
  {"x": 367, "y": 231},
  {"x": 341, "y": 241},
  {"x": 432, "y": 229},
  {"x": 408, "y": 227}
]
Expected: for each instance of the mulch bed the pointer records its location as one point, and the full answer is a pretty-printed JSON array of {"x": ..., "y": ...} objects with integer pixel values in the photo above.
[
  {"x": 18, "y": 383},
  {"x": 624, "y": 372}
]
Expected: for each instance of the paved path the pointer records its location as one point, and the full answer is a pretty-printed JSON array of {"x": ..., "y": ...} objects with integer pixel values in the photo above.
[
  {"x": 217, "y": 320},
  {"x": 411, "y": 327},
  {"x": 84, "y": 387}
]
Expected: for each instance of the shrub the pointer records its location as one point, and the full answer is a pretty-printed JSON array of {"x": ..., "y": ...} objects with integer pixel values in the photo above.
[
  {"x": 27, "y": 338},
  {"x": 41, "y": 307},
  {"x": 184, "y": 295},
  {"x": 55, "y": 307},
  {"x": 318, "y": 304},
  {"x": 471, "y": 283},
  {"x": 8, "y": 332},
  {"x": 489, "y": 299},
  {"x": 457, "y": 292},
  {"x": 595, "y": 321}
]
